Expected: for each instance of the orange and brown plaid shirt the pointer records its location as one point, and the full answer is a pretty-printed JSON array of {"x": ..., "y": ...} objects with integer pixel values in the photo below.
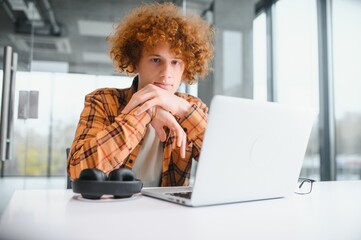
[{"x": 107, "y": 139}]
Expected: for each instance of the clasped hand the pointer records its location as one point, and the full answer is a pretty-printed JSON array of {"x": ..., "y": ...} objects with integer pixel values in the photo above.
[{"x": 163, "y": 105}]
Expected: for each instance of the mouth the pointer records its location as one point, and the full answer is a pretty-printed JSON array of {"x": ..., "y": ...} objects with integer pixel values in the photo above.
[{"x": 163, "y": 85}]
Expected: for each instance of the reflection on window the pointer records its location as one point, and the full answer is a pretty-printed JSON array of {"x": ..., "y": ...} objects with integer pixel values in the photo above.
[
  {"x": 232, "y": 63},
  {"x": 260, "y": 58},
  {"x": 38, "y": 142},
  {"x": 347, "y": 75},
  {"x": 296, "y": 65}
]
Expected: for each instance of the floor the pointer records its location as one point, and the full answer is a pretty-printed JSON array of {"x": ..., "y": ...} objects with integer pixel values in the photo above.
[{"x": 8, "y": 185}]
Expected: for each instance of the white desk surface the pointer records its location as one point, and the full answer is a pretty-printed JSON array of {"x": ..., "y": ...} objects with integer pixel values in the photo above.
[{"x": 331, "y": 211}]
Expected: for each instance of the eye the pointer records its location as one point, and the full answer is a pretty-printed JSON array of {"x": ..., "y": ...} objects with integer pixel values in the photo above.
[
  {"x": 175, "y": 62},
  {"x": 155, "y": 60}
]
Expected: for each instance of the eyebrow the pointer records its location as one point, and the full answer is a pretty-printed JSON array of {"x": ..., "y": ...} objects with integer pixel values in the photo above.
[
  {"x": 153, "y": 55},
  {"x": 158, "y": 55}
]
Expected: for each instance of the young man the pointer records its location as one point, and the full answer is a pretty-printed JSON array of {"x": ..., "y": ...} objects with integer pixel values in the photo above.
[{"x": 148, "y": 127}]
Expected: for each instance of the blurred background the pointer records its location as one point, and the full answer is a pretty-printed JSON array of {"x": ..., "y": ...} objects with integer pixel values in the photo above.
[{"x": 304, "y": 53}]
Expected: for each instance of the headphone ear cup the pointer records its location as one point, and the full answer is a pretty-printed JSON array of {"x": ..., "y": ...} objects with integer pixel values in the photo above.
[
  {"x": 122, "y": 175},
  {"x": 92, "y": 174}
]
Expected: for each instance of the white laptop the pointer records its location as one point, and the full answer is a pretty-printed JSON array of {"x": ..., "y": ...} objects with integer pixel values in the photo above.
[{"x": 251, "y": 151}]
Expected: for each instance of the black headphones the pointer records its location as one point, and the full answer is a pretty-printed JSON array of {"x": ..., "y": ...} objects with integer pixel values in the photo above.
[{"x": 93, "y": 183}]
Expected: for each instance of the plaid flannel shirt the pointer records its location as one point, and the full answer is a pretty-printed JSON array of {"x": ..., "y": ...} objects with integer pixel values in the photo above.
[{"x": 107, "y": 139}]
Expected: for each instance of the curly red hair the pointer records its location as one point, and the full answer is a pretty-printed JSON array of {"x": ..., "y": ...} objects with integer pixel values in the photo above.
[{"x": 189, "y": 37}]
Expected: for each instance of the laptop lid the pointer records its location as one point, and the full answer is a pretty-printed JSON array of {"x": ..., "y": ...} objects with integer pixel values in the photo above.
[{"x": 252, "y": 150}]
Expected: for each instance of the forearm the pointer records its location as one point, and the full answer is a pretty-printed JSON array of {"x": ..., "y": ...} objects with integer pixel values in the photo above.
[{"x": 194, "y": 124}]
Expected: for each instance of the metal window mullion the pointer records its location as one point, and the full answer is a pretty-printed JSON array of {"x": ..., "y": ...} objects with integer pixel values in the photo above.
[
  {"x": 7, "y": 105},
  {"x": 5, "y": 102},
  {"x": 270, "y": 56},
  {"x": 10, "y": 133},
  {"x": 326, "y": 115}
]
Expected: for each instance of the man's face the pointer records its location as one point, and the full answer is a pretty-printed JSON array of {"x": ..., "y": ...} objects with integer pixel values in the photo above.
[{"x": 160, "y": 67}]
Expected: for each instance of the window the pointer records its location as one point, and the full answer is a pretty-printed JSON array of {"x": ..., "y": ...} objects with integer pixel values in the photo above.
[
  {"x": 346, "y": 36},
  {"x": 296, "y": 78},
  {"x": 260, "y": 58},
  {"x": 39, "y": 144},
  {"x": 295, "y": 53},
  {"x": 295, "y": 66}
]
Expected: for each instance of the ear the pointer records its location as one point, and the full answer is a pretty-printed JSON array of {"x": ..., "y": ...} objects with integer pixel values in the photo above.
[{"x": 135, "y": 70}]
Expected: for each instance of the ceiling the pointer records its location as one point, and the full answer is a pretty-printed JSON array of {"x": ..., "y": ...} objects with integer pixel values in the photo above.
[{"x": 67, "y": 32}]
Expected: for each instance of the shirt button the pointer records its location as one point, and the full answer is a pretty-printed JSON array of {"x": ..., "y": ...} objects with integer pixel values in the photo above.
[{"x": 130, "y": 161}]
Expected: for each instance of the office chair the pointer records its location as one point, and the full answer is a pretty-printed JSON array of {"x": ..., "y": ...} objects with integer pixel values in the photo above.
[{"x": 68, "y": 181}]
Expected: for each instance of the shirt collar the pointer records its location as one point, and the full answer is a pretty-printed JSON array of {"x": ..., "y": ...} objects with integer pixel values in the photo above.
[{"x": 135, "y": 83}]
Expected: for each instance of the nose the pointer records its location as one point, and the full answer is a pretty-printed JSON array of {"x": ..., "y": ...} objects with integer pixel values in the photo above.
[{"x": 166, "y": 71}]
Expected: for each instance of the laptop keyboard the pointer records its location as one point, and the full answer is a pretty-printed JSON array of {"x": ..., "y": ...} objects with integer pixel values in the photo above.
[{"x": 187, "y": 195}]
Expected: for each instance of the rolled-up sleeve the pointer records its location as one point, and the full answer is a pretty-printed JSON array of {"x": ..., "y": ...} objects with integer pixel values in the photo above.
[
  {"x": 104, "y": 139},
  {"x": 194, "y": 124}
]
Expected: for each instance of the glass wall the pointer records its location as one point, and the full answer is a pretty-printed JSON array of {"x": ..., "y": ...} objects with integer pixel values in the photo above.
[
  {"x": 295, "y": 75},
  {"x": 346, "y": 36},
  {"x": 260, "y": 57},
  {"x": 296, "y": 66},
  {"x": 39, "y": 144}
]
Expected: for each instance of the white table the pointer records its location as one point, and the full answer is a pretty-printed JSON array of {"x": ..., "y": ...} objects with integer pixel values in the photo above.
[{"x": 331, "y": 211}]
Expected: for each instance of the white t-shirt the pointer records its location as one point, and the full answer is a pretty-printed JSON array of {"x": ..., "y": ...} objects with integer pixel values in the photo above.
[{"x": 148, "y": 165}]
